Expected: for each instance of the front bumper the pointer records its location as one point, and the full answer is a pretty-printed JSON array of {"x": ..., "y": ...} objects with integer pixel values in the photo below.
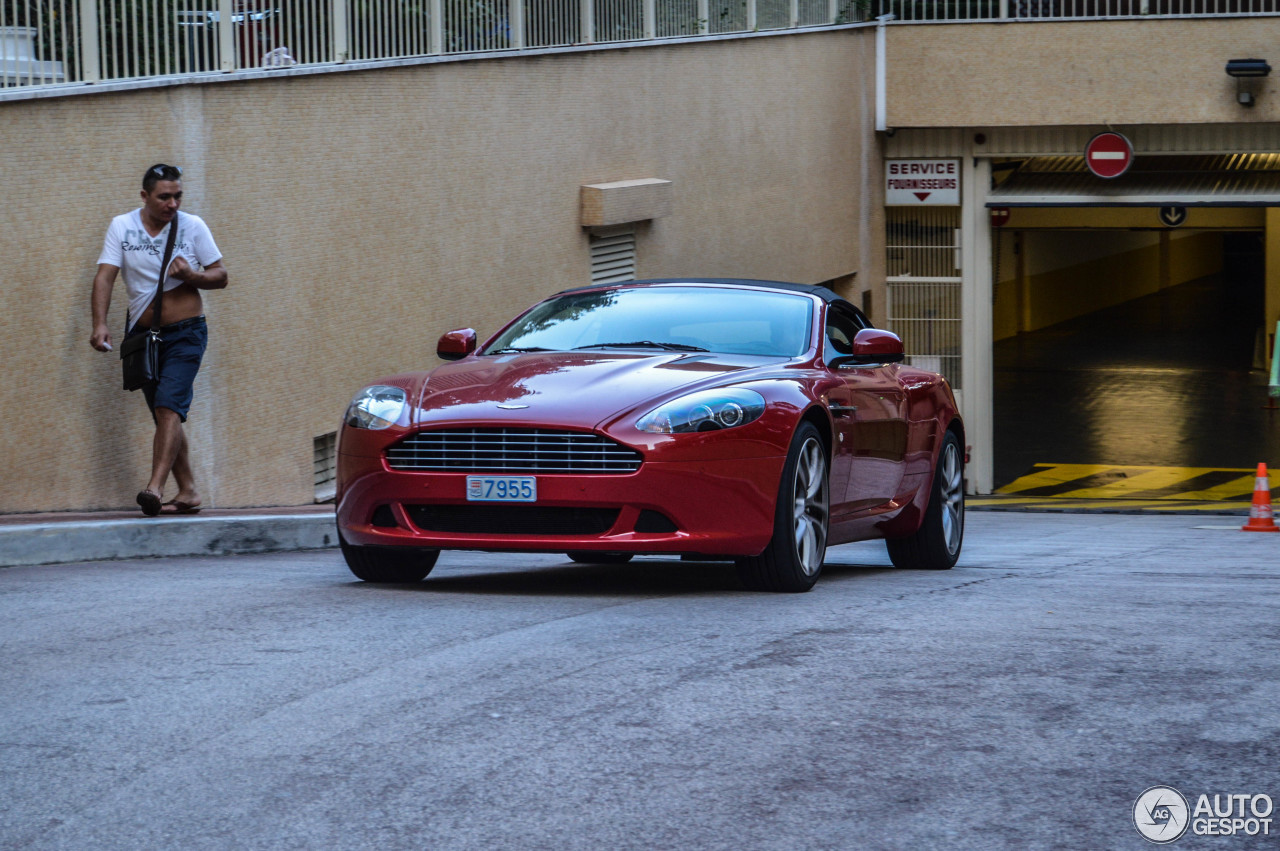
[{"x": 719, "y": 507}]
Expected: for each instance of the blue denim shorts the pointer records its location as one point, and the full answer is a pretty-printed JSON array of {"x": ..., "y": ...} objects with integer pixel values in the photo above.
[{"x": 182, "y": 346}]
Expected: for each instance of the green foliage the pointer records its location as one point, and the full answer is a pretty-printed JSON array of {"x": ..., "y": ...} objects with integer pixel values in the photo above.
[{"x": 854, "y": 11}]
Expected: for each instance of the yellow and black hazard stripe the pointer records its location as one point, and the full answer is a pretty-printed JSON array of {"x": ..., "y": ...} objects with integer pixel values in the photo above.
[
  {"x": 1001, "y": 502},
  {"x": 1102, "y": 486}
]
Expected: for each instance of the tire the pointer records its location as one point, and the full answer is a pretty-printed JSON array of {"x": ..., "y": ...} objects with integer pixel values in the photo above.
[
  {"x": 793, "y": 559},
  {"x": 584, "y": 557},
  {"x": 392, "y": 565},
  {"x": 936, "y": 544}
]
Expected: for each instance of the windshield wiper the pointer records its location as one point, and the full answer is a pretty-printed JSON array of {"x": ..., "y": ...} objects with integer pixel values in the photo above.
[
  {"x": 518, "y": 350},
  {"x": 646, "y": 344}
]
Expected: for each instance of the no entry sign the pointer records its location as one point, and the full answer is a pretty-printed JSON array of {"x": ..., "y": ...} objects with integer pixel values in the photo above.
[{"x": 1108, "y": 155}]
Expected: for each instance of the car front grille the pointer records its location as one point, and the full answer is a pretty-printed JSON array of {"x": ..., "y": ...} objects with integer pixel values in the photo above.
[
  {"x": 512, "y": 450},
  {"x": 512, "y": 519}
]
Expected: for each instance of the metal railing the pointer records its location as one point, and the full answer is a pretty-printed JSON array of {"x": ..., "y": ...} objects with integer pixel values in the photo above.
[
  {"x": 50, "y": 42},
  {"x": 994, "y": 10}
]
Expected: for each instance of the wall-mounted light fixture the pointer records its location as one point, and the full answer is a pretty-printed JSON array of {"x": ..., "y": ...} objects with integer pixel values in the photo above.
[{"x": 1243, "y": 68}]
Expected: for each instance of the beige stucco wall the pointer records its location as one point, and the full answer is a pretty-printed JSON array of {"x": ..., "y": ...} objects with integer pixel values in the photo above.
[
  {"x": 1029, "y": 73},
  {"x": 362, "y": 214}
]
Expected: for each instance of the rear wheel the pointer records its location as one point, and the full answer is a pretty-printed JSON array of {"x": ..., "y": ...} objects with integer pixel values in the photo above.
[
  {"x": 584, "y": 557},
  {"x": 793, "y": 559},
  {"x": 396, "y": 565},
  {"x": 936, "y": 544}
]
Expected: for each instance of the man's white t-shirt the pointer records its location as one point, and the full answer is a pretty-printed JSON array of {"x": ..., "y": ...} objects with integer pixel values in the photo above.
[{"x": 137, "y": 254}]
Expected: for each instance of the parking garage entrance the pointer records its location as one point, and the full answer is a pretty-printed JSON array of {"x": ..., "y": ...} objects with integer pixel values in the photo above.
[
  {"x": 1131, "y": 343},
  {"x": 1117, "y": 351}
]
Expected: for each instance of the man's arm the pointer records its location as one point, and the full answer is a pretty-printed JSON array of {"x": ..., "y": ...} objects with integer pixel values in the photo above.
[
  {"x": 103, "y": 282},
  {"x": 214, "y": 276}
]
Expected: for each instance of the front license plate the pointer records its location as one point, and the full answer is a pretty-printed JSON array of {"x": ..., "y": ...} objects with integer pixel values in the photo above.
[{"x": 502, "y": 489}]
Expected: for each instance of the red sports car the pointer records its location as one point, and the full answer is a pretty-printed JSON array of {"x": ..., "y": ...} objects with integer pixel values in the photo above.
[{"x": 721, "y": 419}]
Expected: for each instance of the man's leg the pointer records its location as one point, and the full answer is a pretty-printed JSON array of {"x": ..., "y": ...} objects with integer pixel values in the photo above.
[
  {"x": 183, "y": 475},
  {"x": 169, "y": 443}
]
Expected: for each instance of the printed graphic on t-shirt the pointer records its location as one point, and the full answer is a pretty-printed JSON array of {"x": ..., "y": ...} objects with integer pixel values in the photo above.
[{"x": 137, "y": 239}]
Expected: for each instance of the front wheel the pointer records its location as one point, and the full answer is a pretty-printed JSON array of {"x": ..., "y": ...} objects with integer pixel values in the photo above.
[
  {"x": 793, "y": 559},
  {"x": 936, "y": 544},
  {"x": 394, "y": 565}
]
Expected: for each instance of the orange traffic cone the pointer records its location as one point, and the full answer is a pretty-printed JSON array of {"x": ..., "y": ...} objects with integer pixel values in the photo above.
[{"x": 1260, "y": 519}]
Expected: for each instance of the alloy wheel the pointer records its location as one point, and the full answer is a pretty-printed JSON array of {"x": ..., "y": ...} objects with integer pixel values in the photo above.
[
  {"x": 952, "y": 493},
  {"x": 811, "y": 506}
]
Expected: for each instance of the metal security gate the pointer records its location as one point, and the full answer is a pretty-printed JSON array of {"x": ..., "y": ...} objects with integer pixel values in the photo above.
[{"x": 923, "y": 277}]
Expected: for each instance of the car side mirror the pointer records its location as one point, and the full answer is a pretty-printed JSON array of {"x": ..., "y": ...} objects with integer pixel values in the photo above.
[
  {"x": 456, "y": 345},
  {"x": 873, "y": 345}
]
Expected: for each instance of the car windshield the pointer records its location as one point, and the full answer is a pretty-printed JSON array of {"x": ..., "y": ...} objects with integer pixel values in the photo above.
[{"x": 665, "y": 318}]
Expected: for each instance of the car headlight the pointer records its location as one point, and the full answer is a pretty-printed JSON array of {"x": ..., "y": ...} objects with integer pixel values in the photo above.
[
  {"x": 707, "y": 410},
  {"x": 376, "y": 407}
]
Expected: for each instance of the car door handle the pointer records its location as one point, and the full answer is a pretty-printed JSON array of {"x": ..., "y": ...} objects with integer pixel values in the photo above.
[{"x": 842, "y": 410}]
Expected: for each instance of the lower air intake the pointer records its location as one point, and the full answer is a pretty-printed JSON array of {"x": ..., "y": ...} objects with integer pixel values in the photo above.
[{"x": 512, "y": 519}]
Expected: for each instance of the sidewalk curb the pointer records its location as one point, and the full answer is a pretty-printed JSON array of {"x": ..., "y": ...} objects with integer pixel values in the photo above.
[
  {"x": 32, "y": 540},
  {"x": 143, "y": 537}
]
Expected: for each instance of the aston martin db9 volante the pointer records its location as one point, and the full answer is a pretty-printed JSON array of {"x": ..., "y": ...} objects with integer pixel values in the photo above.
[{"x": 717, "y": 419}]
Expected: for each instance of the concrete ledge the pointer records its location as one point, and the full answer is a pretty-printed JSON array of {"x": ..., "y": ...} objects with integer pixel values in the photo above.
[
  {"x": 625, "y": 201},
  {"x": 64, "y": 541}
]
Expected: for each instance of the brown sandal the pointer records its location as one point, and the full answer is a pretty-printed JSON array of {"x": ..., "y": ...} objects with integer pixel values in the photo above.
[
  {"x": 149, "y": 502},
  {"x": 177, "y": 506}
]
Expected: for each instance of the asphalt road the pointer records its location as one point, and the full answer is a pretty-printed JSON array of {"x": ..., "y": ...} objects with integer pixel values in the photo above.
[{"x": 1022, "y": 700}]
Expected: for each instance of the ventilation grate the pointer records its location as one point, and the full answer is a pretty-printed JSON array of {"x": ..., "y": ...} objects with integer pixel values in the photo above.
[
  {"x": 613, "y": 258},
  {"x": 325, "y": 466}
]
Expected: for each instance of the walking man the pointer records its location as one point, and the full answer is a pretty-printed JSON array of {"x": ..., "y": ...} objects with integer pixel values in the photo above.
[{"x": 135, "y": 245}]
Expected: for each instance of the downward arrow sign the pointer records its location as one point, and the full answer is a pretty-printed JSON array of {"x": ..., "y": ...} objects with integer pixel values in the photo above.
[{"x": 922, "y": 195}]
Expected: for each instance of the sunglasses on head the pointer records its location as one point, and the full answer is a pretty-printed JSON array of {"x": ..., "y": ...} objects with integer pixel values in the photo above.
[{"x": 166, "y": 172}]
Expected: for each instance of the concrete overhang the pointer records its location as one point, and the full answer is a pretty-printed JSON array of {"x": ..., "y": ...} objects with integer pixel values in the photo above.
[
  {"x": 624, "y": 201},
  {"x": 1032, "y": 73},
  {"x": 1251, "y": 180}
]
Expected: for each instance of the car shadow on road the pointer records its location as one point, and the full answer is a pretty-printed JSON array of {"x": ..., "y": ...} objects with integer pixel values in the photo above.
[
  {"x": 644, "y": 578},
  {"x": 846, "y": 570},
  {"x": 640, "y": 579}
]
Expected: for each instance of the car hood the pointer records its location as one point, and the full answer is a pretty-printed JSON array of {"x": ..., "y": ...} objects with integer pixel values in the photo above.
[{"x": 576, "y": 389}]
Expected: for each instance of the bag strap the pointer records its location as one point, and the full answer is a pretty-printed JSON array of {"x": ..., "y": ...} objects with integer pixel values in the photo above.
[{"x": 158, "y": 302}]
